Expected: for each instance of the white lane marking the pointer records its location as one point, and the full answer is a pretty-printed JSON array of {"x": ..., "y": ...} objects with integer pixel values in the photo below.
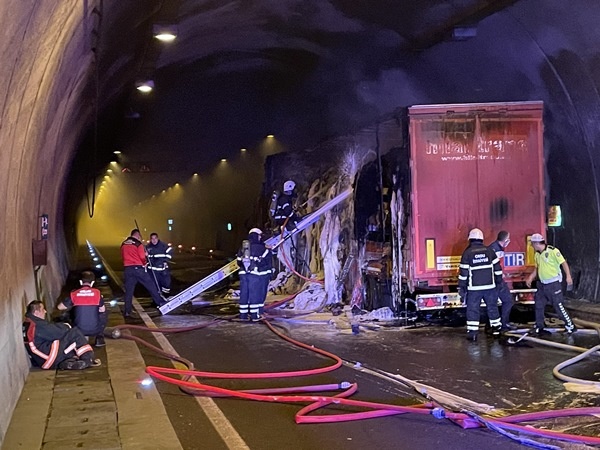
[{"x": 216, "y": 417}]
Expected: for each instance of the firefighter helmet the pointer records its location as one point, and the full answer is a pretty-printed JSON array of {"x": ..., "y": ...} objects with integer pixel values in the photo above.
[
  {"x": 289, "y": 186},
  {"x": 476, "y": 233},
  {"x": 255, "y": 230},
  {"x": 537, "y": 237}
]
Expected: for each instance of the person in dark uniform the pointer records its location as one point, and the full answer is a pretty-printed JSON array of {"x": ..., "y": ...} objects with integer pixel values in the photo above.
[
  {"x": 256, "y": 267},
  {"x": 52, "y": 345},
  {"x": 136, "y": 271},
  {"x": 548, "y": 262},
  {"x": 498, "y": 246},
  {"x": 479, "y": 275},
  {"x": 283, "y": 211},
  {"x": 159, "y": 255},
  {"x": 89, "y": 312}
]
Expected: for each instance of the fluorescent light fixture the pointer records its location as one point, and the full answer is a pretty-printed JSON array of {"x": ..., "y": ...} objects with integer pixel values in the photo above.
[
  {"x": 164, "y": 32},
  {"x": 165, "y": 37},
  {"x": 145, "y": 86},
  {"x": 270, "y": 135}
]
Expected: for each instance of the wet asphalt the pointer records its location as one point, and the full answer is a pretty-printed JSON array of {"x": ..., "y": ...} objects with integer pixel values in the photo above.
[{"x": 511, "y": 378}]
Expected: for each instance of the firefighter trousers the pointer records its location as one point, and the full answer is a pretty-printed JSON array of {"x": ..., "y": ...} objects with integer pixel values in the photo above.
[
  {"x": 133, "y": 276},
  {"x": 474, "y": 298}
]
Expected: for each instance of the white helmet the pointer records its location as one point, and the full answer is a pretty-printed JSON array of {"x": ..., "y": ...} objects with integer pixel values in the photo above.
[
  {"x": 289, "y": 185},
  {"x": 476, "y": 233},
  {"x": 255, "y": 230},
  {"x": 537, "y": 237}
]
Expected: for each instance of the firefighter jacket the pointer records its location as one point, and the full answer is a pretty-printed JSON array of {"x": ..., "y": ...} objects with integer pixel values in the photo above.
[
  {"x": 42, "y": 339},
  {"x": 86, "y": 303},
  {"x": 159, "y": 255},
  {"x": 479, "y": 268},
  {"x": 284, "y": 209},
  {"x": 257, "y": 258},
  {"x": 133, "y": 252}
]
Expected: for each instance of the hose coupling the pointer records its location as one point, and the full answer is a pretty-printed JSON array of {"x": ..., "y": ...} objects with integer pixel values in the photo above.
[
  {"x": 438, "y": 413},
  {"x": 114, "y": 333},
  {"x": 345, "y": 385}
]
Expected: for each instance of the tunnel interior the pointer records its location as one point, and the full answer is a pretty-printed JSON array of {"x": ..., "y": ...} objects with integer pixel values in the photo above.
[{"x": 238, "y": 72}]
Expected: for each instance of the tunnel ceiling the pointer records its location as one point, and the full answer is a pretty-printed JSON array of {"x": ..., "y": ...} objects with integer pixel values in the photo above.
[{"x": 263, "y": 64}]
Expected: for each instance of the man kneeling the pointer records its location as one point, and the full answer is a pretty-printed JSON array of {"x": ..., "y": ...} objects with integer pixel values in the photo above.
[{"x": 52, "y": 345}]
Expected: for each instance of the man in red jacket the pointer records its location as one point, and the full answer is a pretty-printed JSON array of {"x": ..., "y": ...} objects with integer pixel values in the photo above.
[{"x": 136, "y": 271}]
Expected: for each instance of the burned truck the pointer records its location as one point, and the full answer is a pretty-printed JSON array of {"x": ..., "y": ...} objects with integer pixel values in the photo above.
[{"x": 425, "y": 176}]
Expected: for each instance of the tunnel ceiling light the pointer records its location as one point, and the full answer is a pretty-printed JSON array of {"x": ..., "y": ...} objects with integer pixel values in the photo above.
[
  {"x": 164, "y": 32},
  {"x": 243, "y": 150},
  {"x": 270, "y": 135},
  {"x": 145, "y": 86},
  {"x": 165, "y": 37},
  {"x": 223, "y": 159},
  {"x": 117, "y": 152}
]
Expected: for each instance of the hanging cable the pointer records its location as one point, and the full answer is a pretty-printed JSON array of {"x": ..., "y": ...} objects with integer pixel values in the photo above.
[{"x": 91, "y": 202}]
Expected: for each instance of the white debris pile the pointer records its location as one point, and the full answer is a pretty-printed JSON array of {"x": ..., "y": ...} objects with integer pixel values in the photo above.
[
  {"x": 381, "y": 315},
  {"x": 312, "y": 298},
  {"x": 232, "y": 294}
]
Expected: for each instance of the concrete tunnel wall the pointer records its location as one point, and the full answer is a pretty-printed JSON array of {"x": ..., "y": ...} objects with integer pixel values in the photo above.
[
  {"x": 44, "y": 68},
  {"x": 523, "y": 53}
]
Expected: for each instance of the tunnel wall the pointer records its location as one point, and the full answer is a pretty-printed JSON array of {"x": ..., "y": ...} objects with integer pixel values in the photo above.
[{"x": 43, "y": 72}]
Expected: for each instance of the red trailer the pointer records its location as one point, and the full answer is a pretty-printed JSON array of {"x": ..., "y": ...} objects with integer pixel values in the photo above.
[{"x": 472, "y": 165}]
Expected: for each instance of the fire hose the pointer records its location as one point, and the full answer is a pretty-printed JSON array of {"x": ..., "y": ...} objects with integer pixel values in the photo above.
[{"x": 503, "y": 425}]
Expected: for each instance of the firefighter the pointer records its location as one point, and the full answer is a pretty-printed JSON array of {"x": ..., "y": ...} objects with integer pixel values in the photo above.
[
  {"x": 88, "y": 308},
  {"x": 256, "y": 267},
  {"x": 159, "y": 255},
  {"x": 283, "y": 207},
  {"x": 135, "y": 271},
  {"x": 548, "y": 261},
  {"x": 479, "y": 275},
  {"x": 52, "y": 345},
  {"x": 498, "y": 246}
]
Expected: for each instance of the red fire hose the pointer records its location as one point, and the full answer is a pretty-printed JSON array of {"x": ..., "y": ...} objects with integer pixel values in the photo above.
[{"x": 315, "y": 402}]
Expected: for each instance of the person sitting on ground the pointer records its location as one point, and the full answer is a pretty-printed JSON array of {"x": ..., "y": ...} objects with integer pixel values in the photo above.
[
  {"x": 88, "y": 308},
  {"x": 52, "y": 345}
]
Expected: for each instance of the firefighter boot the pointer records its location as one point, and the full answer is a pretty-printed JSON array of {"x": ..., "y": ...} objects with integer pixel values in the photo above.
[
  {"x": 472, "y": 336},
  {"x": 496, "y": 331},
  {"x": 73, "y": 364},
  {"x": 99, "y": 341}
]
